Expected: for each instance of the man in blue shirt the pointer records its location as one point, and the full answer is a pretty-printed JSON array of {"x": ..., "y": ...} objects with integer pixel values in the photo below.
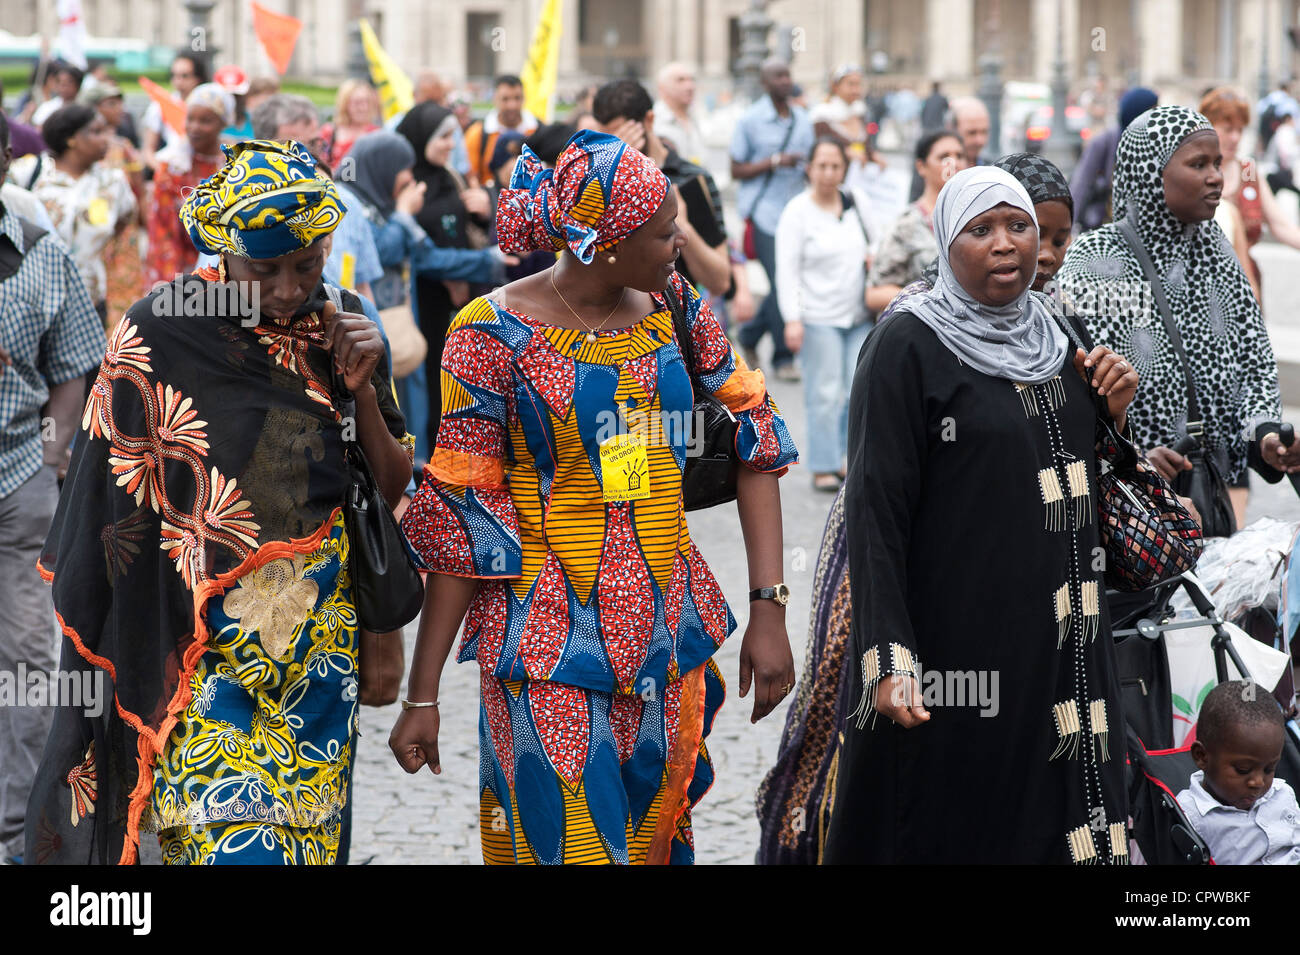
[
  {"x": 51, "y": 337},
  {"x": 768, "y": 151}
]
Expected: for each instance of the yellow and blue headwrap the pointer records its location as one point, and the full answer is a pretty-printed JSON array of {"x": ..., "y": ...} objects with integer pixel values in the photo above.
[{"x": 267, "y": 200}]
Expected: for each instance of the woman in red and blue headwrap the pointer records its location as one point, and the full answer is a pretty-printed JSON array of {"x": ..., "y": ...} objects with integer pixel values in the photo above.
[
  {"x": 552, "y": 512},
  {"x": 199, "y": 556}
]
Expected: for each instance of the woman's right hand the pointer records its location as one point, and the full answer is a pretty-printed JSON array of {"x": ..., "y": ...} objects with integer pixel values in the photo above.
[
  {"x": 794, "y": 335},
  {"x": 414, "y": 739},
  {"x": 411, "y": 199},
  {"x": 1168, "y": 462},
  {"x": 899, "y": 697}
]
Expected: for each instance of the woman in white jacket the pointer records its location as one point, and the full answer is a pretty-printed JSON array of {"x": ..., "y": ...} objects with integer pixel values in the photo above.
[{"x": 822, "y": 253}]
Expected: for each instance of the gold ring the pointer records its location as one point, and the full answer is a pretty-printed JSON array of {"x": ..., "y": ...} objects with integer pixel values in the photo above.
[{"x": 785, "y": 690}]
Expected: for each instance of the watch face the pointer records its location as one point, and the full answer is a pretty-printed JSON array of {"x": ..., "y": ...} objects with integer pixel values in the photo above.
[{"x": 782, "y": 594}]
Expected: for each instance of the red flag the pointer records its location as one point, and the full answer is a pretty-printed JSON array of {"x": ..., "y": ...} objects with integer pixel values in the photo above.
[
  {"x": 278, "y": 33},
  {"x": 173, "y": 110}
]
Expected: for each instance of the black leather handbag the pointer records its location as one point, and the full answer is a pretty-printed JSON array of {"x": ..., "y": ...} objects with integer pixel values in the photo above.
[
  {"x": 710, "y": 475},
  {"x": 1204, "y": 484},
  {"x": 386, "y": 588}
]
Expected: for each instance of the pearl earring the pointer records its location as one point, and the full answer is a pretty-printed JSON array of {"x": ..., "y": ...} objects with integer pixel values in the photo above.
[{"x": 611, "y": 260}]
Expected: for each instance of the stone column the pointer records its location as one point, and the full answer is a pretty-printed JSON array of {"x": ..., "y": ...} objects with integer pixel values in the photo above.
[
  {"x": 949, "y": 39},
  {"x": 1161, "y": 42}
]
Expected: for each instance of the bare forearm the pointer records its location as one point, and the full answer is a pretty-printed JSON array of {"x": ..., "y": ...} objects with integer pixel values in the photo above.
[
  {"x": 64, "y": 409},
  {"x": 387, "y": 458},
  {"x": 748, "y": 170},
  {"x": 1278, "y": 223},
  {"x": 710, "y": 267},
  {"x": 879, "y": 296},
  {"x": 446, "y": 599},
  {"x": 758, "y": 499}
]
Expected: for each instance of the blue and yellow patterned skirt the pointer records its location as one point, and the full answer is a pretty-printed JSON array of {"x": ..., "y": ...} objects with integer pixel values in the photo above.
[{"x": 257, "y": 769}]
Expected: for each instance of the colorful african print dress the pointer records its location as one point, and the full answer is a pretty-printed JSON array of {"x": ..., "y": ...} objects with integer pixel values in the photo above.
[
  {"x": 556, "y": 481},
  {"x": 199, "y": 558}
]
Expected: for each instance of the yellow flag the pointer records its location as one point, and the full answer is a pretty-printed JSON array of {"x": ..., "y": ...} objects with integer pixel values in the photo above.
[
  {"x": 543, "y": 63},
  {"x": 394, "y": 86}
]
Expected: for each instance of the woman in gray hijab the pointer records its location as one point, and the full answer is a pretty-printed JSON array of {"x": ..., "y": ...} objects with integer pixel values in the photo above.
[
  {"x": 379, "y": 170},
  {"x": 971, "y": 519}
]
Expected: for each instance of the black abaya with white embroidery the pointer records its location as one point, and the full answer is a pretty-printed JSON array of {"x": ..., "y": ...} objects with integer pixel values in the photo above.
[{"x": 972, "y": 528}]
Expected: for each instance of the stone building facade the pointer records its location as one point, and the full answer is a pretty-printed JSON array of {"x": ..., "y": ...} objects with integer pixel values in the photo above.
[{"x": 1179, "y": 46}]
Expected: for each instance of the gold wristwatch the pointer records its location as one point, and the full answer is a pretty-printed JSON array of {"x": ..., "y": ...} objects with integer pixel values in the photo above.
[{"x": 780, "y": 593}]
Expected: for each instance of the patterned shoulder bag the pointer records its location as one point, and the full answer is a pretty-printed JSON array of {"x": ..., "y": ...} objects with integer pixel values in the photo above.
[{"x": 1148, "y": 535}]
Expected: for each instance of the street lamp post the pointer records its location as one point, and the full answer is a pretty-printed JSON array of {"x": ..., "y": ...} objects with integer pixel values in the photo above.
[
  {"x": 754, "y": 27},
  {"x": 200, "y": 12},
  {"x": 990, "y": 84},
  {"x": 358, "y": 68},
  {"x": 990, "y": 93},
  {"x": 1265, "y": 86},
  {"x": 611, "y": 44},
  {"x": 1058, "y": 144}
]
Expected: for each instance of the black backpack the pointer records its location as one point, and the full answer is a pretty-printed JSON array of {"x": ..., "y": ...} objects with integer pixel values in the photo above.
[{"x": 11, "y": 261}]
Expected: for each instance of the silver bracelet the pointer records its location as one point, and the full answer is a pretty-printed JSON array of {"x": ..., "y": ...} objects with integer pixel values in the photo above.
[{"x": 408, "y": 705}]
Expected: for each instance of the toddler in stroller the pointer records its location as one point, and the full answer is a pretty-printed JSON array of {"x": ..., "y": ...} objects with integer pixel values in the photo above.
[
  {"x": 1245, "y": 815},
  {"x": 1161, "y": 761}
]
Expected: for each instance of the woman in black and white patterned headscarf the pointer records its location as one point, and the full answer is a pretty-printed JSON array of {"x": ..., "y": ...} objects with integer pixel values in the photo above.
[{"x": 1167, "y": 183}]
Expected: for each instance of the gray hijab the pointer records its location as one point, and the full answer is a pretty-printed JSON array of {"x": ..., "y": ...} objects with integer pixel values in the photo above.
[
  {"x": 377, "y": 160},
  {"x": 1020, "y": 341}
]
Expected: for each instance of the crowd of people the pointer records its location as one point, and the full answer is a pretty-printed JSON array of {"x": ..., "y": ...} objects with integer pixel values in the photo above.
[{"x": 518, "y": 312}]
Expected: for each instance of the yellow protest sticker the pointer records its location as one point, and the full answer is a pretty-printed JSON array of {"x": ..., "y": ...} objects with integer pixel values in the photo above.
[
  {"x": 97, "y": 211},
  {"x": 624, "y": 468}
]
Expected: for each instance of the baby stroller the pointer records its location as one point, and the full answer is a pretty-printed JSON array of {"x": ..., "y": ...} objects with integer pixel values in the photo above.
[{"x": 1146, "y": 631}]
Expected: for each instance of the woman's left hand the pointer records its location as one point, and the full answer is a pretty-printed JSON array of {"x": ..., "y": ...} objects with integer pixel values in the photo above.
[
  {"x": 1278, "y": 456},
  {"x": 765, "y": 659},
  {"x": 1113, "y": 378},
  {"x": 355, "y": 343},
  {"x": 477, "y": 202}
]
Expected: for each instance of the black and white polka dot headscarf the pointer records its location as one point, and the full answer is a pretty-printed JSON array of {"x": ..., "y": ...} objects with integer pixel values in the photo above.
[
  {"x": 1208, "y": 293},
  {"x": 1144, "y": 150}
]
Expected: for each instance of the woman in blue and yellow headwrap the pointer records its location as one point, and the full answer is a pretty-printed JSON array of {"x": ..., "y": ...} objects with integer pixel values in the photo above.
[{"x": 199, "y": 556}]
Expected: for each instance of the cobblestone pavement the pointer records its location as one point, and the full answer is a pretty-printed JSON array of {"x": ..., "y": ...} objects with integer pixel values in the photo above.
[{"x": 427, "y": 819}]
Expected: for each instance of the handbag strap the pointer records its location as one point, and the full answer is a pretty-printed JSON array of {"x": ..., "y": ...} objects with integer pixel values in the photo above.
[
  {"x": 1195, "y": 426},
  {"x": 850, "y": 202},
  {"x": 681, "y": 330},
  {"x": 767, "y": 180}
]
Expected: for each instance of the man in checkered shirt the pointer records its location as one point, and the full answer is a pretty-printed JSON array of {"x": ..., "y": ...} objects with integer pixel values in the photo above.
[{"x": 50, "y": 339}]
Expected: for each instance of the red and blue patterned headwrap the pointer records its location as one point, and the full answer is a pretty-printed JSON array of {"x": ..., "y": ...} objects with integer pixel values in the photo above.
[{"x": 599, "y": 192}]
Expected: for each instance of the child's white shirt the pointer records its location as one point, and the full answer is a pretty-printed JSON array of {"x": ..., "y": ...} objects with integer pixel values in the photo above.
[{"x": 1268, "y": 833}]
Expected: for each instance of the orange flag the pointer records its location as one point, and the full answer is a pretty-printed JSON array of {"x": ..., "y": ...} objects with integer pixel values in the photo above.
[
  {"x": 173, "y": 110},
  {"x": 278, "y": 33}
]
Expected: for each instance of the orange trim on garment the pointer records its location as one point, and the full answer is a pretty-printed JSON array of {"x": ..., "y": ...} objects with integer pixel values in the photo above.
[
  {"x": 681, "y": 767},
  {"x": 744, "y": 389},
  {"x": 469, "y": 470},
  {"x": 150, "y": 742}
]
